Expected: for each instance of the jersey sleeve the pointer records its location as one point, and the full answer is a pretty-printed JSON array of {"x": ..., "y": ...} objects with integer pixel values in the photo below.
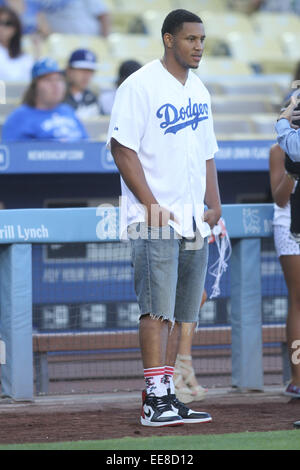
[{"x": 129, "y": 116}]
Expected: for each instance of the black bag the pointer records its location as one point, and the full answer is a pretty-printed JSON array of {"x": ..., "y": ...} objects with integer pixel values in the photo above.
[
  {"x": 293, "y": 168},
  {"x": 295, "y": 214}
]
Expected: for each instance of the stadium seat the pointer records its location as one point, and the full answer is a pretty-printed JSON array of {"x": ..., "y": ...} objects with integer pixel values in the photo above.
[
  {"x": 106, "y": 75},
  {"x": 283, "y": 66},
  {"x": 212, "y": 86},
  {"x": 60, "y": 46},
  {"x": 216, "y": 47},
  {"x": 152, "y": 21},
  {"x": 220, "y": 66},
  {"x": 7, "y": 108},
  {"x": 199, "y": 5},
  {"x": 221, "y": 24},
  {"x": 127, "y": 22},
  {"x": 254, "y": 48},
  {"x": 96, "y": 127},
  {"x": 215, "y": 24},
  {"x": 290, "y": 44},
  {"x": 111, "y": 5},
  {"x": 274, "y": 24},
  {"x": 241, "y": 104},
  {"x": 226, "y": 124},
  {"x": 265, "y": 53},
  {"x": 264, "y": 123},
  {"x": 32, "y": 46},
  {"x": 139, "y": 6},
  {"x": 135, "y": 46},
  {"x": 15, "y": 90},
  {"x": 271, "y": 89}
]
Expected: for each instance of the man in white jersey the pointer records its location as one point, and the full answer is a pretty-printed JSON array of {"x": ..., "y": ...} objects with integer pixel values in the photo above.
[{"x": 161, "y": 137}]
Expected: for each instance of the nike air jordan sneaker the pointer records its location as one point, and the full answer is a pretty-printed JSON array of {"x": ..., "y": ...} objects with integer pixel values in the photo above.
[
  {"x": 188, "y": 415},
  {"x": 157, "y": 411}
]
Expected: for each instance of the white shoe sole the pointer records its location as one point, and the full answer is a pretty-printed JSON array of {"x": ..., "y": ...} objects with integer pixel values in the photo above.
[
  {"x": 147, "y": 422},
  {"x": 203, "y": 420}
]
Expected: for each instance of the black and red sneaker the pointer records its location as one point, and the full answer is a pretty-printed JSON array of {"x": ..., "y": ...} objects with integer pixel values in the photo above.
[
  {"x": 158, "y": 412},
  {"x": 188, "y": 415}
]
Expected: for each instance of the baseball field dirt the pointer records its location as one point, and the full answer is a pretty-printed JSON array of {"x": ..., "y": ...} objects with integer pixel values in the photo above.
[{"x": 116, "y": 415}]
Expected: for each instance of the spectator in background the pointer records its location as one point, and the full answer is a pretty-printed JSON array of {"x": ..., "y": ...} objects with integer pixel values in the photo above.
[
  {"x": 185, "y": 381},
  {"x": 288, "y": 252},
  {"x": 31, "y": 15},
  {"x": 78, "y": 17},
  {"x": 14, "y": 64},
  {"x": 81, "y": 68},
  {"x": 287, "y": 137},
  {"x": 107, "y": 97},
  {"x": 43, "y": 116}
]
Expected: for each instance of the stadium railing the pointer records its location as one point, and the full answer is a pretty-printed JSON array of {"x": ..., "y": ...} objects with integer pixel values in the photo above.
[{"x": 22, "y": 229}]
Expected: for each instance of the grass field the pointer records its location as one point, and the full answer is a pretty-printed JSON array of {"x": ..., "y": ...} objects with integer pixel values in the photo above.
[{"x": 275, "y": 440}]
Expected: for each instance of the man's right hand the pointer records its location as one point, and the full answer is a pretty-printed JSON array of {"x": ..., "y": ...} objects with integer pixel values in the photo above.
[{"x": 158, "y": 216}]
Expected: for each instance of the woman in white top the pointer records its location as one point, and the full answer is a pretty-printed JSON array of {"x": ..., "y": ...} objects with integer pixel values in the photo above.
[
  {"x": 288, "y": 251},
  {"x": 14, "y": 65}
]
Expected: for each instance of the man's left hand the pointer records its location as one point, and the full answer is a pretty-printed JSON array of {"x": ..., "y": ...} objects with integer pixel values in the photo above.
[{"x": 212, "y": 216}]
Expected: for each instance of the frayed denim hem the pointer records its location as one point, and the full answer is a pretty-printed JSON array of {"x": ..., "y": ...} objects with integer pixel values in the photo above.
[{"x": 159, "y": 316}]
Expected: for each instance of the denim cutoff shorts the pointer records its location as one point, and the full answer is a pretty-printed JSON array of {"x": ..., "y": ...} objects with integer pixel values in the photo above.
[{"x": 169, "y": 273}]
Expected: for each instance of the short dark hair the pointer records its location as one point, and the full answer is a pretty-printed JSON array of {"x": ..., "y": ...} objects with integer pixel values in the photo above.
[{"x": 175, "y": 19}]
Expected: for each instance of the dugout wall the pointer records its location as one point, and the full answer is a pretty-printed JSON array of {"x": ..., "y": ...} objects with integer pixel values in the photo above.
[{"x": 100, "y": 323}]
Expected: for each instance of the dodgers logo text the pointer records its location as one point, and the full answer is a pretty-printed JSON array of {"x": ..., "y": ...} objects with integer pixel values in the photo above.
[{"x": 174, "y": 120}]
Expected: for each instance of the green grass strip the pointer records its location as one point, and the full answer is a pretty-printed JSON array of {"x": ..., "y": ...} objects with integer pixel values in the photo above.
[{"x": 273, "y": 440}]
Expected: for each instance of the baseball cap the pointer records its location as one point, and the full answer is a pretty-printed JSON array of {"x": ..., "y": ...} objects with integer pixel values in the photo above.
[
  {"x": 83, "y": 59},
  {"x": 44, "y": 67}
]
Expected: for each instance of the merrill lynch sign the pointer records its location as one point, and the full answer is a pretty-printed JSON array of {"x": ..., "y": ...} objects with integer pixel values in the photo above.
[{"x": 20, "y": 233}]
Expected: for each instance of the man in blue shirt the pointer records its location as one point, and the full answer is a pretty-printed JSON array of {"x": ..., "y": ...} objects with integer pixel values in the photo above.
[
  {"x": 288, "y": 136},
  {"x": 43, "y": 116}
]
